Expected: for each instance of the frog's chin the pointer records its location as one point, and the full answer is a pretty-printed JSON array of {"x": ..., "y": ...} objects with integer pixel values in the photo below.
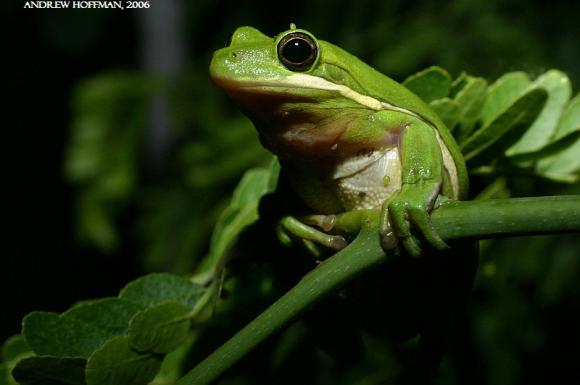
[{"x": 255, "y": 91}]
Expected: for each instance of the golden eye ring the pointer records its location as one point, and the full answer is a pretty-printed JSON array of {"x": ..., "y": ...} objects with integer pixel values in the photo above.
[{"x": 298, "y": 51}]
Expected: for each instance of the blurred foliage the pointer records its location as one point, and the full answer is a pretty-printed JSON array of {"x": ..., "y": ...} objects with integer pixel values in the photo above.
[
  {"x": 525, "y": 305},
  {"x": 103, "y": 154},
  {"x": 105, "y": 161}
]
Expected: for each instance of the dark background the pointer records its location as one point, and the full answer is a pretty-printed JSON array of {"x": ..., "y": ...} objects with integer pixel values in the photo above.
[
  {"x": 46, "y": 52},
  {"x": 46, "y": 266}
]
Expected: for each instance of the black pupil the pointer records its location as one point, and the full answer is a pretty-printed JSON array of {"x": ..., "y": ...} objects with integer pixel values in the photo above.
[{"x": 297, "y": 50}]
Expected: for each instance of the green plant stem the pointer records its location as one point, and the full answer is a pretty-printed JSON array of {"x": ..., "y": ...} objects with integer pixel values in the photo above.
[
  {"x": 474, "y": 219},
  {"x": 508, "y": 217}
]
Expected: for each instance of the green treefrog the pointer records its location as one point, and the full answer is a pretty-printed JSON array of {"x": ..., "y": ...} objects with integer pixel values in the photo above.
[{"x": 348, "y": 137}]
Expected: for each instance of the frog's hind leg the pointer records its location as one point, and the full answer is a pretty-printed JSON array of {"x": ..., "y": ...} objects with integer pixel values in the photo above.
[{"x": 290, "y": 228}]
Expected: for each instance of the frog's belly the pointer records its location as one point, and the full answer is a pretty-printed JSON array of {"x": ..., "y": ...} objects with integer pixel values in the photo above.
[
  {"x": 359, "y": 182},
  {"x": 366, "y": 181}
]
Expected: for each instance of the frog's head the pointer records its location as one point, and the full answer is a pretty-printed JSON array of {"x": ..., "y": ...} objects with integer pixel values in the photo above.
[{"x": 291, "y": 87}]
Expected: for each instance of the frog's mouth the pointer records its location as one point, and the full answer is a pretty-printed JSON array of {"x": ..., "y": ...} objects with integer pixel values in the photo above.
[
  {"x": 277, "y": 89},
  {"x": 305, "y": 83}
]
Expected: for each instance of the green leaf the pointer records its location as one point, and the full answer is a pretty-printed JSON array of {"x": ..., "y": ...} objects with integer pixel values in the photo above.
[
  {"x": 15, "y": 347},
  {"x": 458, "y": 84},
  {"x": 54, "y": 335},
  {"x": 174, "y": 363},
  {"x": 92, "y": 329},
  {"x": 564, "y": 166},
  {"x": 570, "y": 119},
  {"x": 447, "y": 110},
  {"x": 551, "y": 150},
  {"x": 255, "y": 183},
  {"x": 492, "y": 139},
  {"x": 242, "y": 211},
  {"x": 496, "y": 190},
  {"x": 50, "y": 371},
  {"x": 160, "y": 329},
  {"x": 156, "y": 288},
  {"x": 115, "y": 363},
  {"x": 430, "y": 84},
  {"x": 5, "y": 375},
  {"x": 111, "y": 315},
  {"x": 502, "y": 94},
  {"x": 544, "y": 128},
  {"x": 470, "y": 101},
  {"x": 566, "y": 135},
  {"x": 79, "y": 331}
]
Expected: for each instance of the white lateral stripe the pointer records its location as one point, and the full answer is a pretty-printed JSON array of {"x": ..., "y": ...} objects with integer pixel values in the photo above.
[
  {"x": 309, "y": 81},
  {"x": 318, "y": 83},
  {"x": 315, "y": 82}
]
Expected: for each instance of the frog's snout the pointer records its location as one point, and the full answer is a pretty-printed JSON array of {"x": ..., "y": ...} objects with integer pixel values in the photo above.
[{"x": 247, "y": 35}]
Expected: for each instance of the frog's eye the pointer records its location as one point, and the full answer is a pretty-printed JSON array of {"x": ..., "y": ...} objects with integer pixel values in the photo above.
[{"x": 297, "y": 51}]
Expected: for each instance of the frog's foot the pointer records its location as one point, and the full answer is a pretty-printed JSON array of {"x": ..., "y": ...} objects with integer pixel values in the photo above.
[
  {"x": 290, "y": 228},
  {"x": 410, "y": 207}
]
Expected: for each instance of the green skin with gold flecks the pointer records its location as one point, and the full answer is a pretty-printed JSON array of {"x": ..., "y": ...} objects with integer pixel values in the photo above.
[{"x": 348, "y": 137}]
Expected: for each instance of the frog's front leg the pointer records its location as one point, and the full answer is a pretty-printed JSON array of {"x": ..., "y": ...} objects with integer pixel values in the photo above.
[{"x": 422, "y": 177}]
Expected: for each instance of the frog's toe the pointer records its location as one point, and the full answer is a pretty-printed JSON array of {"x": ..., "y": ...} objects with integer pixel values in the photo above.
[
  {"x": 411, "y": 246},
  {"x": 403, "y": 214},
  {"x": 325, "y": 222},
  {"x": 311, "y": 247},
  {"x": 388, "y": 238},
  {"x": 400, "y": 217},
  {"x": 337, "y": 242},
  {"x": 283, "y": 236},
  {"x": 420, "y": 218}
]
